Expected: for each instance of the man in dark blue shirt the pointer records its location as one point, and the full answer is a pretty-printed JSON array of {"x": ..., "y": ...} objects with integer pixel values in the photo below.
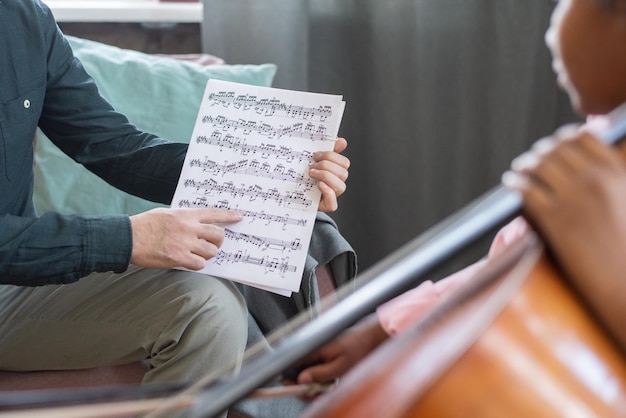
[{"x": 86, "y": 291}]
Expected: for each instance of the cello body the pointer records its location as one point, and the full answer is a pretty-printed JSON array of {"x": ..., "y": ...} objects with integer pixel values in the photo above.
[{"x": 515, "y": 341}]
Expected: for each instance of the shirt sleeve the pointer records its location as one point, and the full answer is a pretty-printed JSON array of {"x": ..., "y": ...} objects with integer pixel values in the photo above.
[
  {"x": 407, "y": 309},
  {"x": 57, "y": 248}
]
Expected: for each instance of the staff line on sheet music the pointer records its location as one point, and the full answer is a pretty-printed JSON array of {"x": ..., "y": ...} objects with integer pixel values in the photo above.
[
  {"x": 295, "y": 199},
  {"x": 297, "y": 130},
  {"x": 268, "y": 263},
  {"x": 270, "y": 107},
  {"x": 253, "y": 215},
  {"x": 265, "y": 151},
  {"x": 255, "y": 168},
  {"x": 262, "y": 242}
]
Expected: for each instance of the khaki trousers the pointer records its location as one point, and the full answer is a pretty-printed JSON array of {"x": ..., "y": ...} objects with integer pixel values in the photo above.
[{"x": 186, "y": 325}]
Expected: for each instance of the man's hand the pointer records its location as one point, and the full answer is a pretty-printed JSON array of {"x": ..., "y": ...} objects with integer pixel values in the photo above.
[
  {"x": 331, "y": 169},
  {"x": 167, "y": 238}
]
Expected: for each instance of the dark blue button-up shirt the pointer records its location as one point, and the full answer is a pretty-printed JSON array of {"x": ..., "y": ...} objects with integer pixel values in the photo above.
[{"x": 43, "y": 84}]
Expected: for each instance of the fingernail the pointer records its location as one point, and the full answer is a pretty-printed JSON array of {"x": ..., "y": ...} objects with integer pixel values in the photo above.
[
  {"x": 525, "y": 161},
  {"x": 512, "y": 180},
  {"x": 543, "y": 146}
]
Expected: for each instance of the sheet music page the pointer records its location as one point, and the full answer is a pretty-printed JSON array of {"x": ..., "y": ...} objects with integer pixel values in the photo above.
[{"x": 250, "y": 151}]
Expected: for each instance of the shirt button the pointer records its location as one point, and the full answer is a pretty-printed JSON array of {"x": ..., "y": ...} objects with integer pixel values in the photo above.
[{"x": 26, "y": 104}]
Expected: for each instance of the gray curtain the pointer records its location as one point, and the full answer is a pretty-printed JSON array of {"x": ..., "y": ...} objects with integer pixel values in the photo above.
[{"x": 441, "y": 95}]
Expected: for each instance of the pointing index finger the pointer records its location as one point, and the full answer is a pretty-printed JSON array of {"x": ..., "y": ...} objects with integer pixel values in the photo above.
[{"x": 212, "y": 216}]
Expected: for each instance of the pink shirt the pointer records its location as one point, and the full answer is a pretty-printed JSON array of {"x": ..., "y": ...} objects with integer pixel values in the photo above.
[{"x": 400, "y": 313}]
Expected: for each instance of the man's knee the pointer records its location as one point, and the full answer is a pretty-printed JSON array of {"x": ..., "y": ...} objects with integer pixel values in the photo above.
[
  {"x": 228, "y": 308},
  {"x": 206, "y": 330},
  {"x": 219, "y": 306}
]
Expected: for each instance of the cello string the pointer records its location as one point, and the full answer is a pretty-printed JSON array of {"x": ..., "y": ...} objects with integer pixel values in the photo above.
[{"x": 124, "y": 408}]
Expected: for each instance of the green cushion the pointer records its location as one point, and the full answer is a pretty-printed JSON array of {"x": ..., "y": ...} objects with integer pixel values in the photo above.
[{"x": 160, "y": 95}]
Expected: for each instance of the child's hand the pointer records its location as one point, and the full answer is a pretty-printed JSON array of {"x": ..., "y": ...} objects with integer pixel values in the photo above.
[
  {"x": 574, "y": 192},
  {"x": 331, "y": 169},
  {"x": 334, "y": 359}
]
